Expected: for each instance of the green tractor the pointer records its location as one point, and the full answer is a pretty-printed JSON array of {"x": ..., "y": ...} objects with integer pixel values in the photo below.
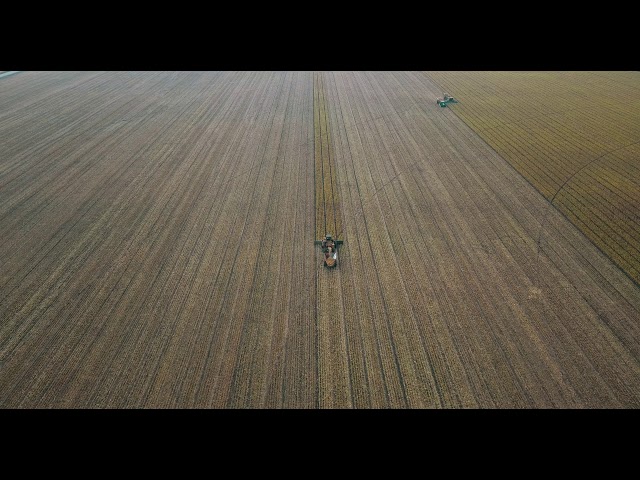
[{"x": 447, "y": 99}]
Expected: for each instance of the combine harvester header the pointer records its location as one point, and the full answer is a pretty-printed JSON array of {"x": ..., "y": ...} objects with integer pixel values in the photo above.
[{"x": 447, "y": 99}]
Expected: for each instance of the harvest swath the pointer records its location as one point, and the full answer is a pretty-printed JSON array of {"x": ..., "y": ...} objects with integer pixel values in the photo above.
[
  {"x": 327, "y": 200},
  {"x": 158, "y": 251},
  {"x": 575, "y": 136}
]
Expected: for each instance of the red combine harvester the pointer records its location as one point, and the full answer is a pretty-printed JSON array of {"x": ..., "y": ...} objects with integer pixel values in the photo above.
[{"x": 329, "y": 247}]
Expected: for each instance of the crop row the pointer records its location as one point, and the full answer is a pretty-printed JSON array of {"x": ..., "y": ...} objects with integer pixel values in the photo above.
[{"x": 328, "y": 219}]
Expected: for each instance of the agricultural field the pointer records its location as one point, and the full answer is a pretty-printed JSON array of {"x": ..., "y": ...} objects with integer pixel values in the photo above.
[
  {"x": 158, "y": 251},
  {"x": 575, "y": 136}
]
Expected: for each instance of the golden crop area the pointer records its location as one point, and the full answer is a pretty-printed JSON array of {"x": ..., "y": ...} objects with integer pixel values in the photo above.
[
  {"x": 157, "y": 250},
  {"x": 327, "y": 197},
  {"x": 574, "y": 135}
]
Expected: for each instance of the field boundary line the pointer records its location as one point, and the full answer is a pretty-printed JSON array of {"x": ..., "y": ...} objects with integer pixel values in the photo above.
[
  {"x": 429, "y": 78},
  {"x": 544, "y": 219}
]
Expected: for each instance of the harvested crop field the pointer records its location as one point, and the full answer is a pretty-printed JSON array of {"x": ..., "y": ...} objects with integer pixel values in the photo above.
[{"x": 158, "y": 251}]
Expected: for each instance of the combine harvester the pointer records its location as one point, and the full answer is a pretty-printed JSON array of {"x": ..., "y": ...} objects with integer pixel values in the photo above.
[
  {"x": 329, "y": 247},
  {"x": 447, "y": 99}
]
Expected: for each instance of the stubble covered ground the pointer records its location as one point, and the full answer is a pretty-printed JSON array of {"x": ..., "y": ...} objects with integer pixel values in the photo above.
[{"x": 158, "y": 251}]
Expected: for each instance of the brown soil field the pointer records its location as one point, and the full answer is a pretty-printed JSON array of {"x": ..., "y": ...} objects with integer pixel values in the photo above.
[
  {"x": 158, "y": 251},
  {"x": 575, "y": 136}
]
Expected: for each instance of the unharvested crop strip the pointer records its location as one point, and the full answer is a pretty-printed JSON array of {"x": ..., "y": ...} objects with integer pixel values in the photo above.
[{"x": 327, "y": 203}]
